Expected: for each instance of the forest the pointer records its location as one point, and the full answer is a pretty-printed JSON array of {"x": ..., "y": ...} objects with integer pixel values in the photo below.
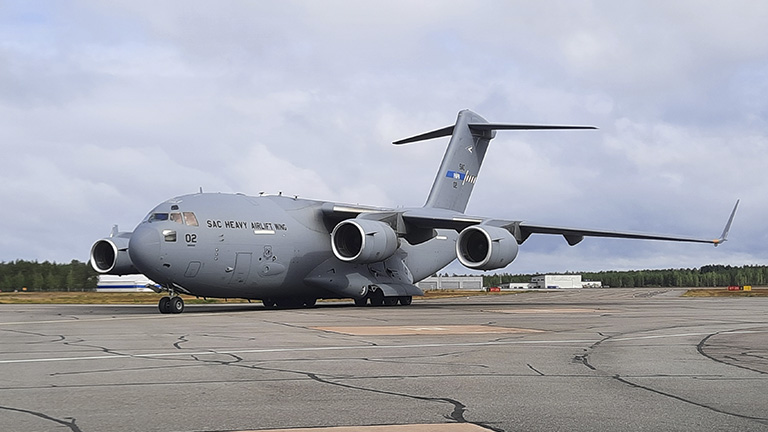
[
  {"x": 79, "y": 276},
  {"x": 47, "y": 276},
  {"x": 706, "y": 276}
]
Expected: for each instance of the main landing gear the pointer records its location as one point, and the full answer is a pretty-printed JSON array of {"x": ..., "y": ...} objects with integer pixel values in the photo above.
[
  {"x": 289, "y": 303},
  {"x": 173, "y": 304},
  {"x": 384, "y": 301}
]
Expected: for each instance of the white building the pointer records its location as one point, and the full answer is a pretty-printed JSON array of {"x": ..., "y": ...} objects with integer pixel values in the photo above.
[
  {"x": 518, "y": 286},
  {"x": 128, "y": 283},
  {"x": 463, "y": 283},
  {"x": 556, "y": 281}
]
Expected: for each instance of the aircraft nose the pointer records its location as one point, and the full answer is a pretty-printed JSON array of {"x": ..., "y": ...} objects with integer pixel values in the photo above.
[{"x": 144, "y": 248}]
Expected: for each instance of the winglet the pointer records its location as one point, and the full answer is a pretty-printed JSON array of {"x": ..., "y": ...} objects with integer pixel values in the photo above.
[{"x": 724, "y": 235}]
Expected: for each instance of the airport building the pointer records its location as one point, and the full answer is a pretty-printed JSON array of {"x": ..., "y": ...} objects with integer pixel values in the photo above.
[
  {"x": 475, "y": 283},
  {"x": 462, "y": 283},
  {"x": 553, "y": 282},
  {"x": 128, "y": 283},
  {"x": 556, "y": 281}
]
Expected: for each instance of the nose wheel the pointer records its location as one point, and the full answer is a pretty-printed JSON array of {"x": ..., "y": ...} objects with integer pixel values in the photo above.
[{"x": 173, "y": 304}]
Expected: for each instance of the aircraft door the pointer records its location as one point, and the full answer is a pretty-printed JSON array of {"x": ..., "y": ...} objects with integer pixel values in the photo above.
[{"x": 242, "y": 268}]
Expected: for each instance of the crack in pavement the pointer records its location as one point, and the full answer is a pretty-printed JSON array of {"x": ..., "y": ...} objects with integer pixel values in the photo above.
[
  {"x": 534, "y": 369},
  {"x": 700, "y": 349},
  {"x": 688, "y": 401},
  {"x": 181, "y": 339},
  {"x": 60, "y": 337},
  {"x": 457, "y": 414},
  {"x": 417, "y": 360},
  {"x": 70, "y": 424},
  {"x": 585, "y": 360}
]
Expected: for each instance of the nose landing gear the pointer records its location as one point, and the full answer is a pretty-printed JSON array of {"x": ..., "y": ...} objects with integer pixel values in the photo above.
[{"x": 173, "y": 304}]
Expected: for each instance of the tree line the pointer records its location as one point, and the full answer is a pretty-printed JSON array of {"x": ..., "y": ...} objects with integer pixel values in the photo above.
[
  {"x": 79, "y": 276},
  {"x": 47, "y": 276},
  {"x": 706, "y": 276}
]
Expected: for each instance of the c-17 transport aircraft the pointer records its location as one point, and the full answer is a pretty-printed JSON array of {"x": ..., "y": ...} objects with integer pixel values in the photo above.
[{"x": 289, "y": 252}]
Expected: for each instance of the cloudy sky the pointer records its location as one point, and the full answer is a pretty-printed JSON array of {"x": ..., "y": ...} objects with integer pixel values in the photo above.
[{"x": 109, "y": 108}]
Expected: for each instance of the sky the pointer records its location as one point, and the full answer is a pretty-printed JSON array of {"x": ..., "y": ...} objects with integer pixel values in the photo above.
[{"x": 109, "y": 108}]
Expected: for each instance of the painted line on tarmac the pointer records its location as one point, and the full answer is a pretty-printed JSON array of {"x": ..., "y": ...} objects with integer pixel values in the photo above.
[
  {"x": 550, "y": 311},
  {"x": 74, "y": 320},
  {"x": 685, "y": 335},
  {"x": 424, "y": 330},
  {"x": 112, "y": 318},
  {"x": 178, "y": 353},
  {"x": 365, "y": 347},
  {"x": 440, "y": 427}
]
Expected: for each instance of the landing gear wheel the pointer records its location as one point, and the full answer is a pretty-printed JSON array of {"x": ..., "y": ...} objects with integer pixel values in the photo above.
[
  {"x": 377, "y": 298},
  {"x": 269, "y": 303},
  {"x": 164, "y": 305},
  {"x": 406, "y": 300},
  {"x": 289, "y": 303},
  {"x": 390, "y": 301},
  {"x": 361, "y": 302},
  {"x": 176, "y": 305}
]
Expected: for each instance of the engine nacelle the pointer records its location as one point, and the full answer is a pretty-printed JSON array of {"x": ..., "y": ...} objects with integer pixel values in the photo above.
[
  {"x": 110, "y": 255},
  {"x": 486, "y": 247},
  {"x": 363, "y": 241}
]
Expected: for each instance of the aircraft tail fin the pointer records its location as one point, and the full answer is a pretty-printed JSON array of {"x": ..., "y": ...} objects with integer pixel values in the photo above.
[{"x": 458, "y": 171}]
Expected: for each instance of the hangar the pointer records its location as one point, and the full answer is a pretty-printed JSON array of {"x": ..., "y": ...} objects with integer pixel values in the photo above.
[
  {"x": 463, "y": 283},
  {"x": 556, "y": 281}
]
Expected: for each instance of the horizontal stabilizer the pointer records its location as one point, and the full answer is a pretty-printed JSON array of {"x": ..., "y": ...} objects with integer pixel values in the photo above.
[
  {"x": 501, "y": 126},
  {"x": 446, "y": 131},
  {"x": 482, "y": 127}
]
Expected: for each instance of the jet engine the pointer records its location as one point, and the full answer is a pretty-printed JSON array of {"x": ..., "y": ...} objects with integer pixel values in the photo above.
[
  {"x": 486, "y": 247},
  {"x": 363, "y": 241},
  {"x": 110, "y": 255}
]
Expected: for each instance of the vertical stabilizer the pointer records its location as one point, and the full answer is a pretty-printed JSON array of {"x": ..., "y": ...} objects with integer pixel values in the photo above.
[
  {"x": 469, "y": 141},
  {"x": 458, "y": 171}
]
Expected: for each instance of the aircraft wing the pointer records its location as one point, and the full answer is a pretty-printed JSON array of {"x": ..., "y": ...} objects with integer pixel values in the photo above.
[
  {"x": 430, "y": 218},
  {"x": 417, "y": 224}
]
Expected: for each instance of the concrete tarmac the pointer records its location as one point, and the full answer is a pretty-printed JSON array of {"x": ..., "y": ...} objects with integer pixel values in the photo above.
[{"x": 610, "y": 359}]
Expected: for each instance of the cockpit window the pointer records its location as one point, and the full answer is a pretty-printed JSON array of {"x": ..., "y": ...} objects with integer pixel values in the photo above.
[
  {"x": 190, "y": 219},
  {"x": 176, "y": 217},
  {"x": 155, "y": 217}
]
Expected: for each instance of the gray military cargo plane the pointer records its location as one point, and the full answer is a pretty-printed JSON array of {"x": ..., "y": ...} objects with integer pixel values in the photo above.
[{"x": 289, "y": 252}]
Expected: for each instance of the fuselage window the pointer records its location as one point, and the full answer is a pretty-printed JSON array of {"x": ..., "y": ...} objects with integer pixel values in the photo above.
[
  {"x": 158, "y": 217},
  {"x": 176, "y": 217},
  {"x": 169, "y": 235},
  {"x": 190, "y": 218}
]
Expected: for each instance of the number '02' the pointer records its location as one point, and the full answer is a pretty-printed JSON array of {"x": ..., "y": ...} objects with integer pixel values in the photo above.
[{"x": 190, "y": 238}]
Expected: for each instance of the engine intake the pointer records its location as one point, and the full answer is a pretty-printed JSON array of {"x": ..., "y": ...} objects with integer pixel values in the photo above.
[
  {"x": 110, "y": 255},
  {"x": 363, "y": 241},
  {"x": 486, "y": 247}
]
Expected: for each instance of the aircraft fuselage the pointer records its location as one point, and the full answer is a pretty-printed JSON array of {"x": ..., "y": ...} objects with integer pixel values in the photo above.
[{"x": 268, "y": 247}]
